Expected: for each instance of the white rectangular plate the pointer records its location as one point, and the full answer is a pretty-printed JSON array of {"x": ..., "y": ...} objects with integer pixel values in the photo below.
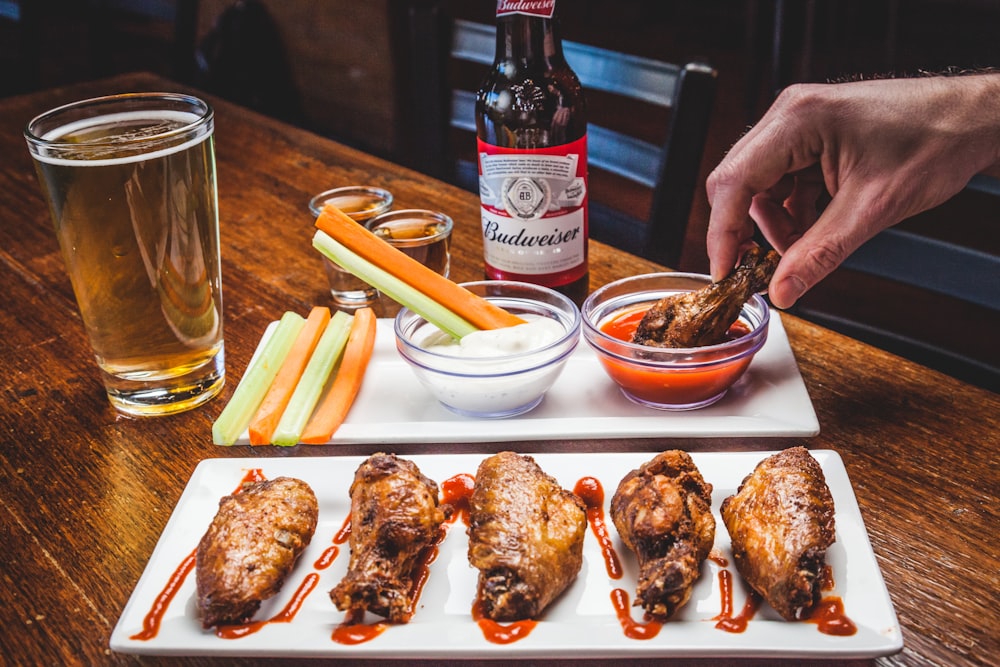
[
  {"x": 393, "y": 407},
  {"x": 581, "y": 623}
]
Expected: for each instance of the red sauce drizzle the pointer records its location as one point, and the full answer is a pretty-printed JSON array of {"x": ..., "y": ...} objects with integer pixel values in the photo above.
[
  {"x": 725, "y": 620},
  {"x": 501, "y": 633},
  {"x": 632, "y": 628},
  {"x": 826, "y": 582},
  {"x": 354, "y": 631},
  {"x": 725, "y": 595},
  {"x": 716, "y": 557},
  {"x": 830, "y": 619},
  {"x": 330, "y": 554},
  {"x": 423, "y": 570},
  {"x": 286, "y": 615},
  {"x": 344, "y": 533},
  {"x": 151, "y": 623},
  {"x": 456, "y": 491},
  {"x": 591, "y": 493},
  {"x": 326, "y": 558},
  {"x": 252, "y": 476}
]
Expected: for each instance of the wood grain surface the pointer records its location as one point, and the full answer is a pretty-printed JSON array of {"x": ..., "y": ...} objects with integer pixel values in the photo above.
[{"x": 86, "y": 492}]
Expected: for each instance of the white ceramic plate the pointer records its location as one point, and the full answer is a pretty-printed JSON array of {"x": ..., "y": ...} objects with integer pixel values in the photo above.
[
  {"x": 581, "y": 623},
  {"x": 392, "y": 407}
]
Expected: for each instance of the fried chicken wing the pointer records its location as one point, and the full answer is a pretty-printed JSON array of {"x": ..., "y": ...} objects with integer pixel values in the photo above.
[
  {"x": 395, "y": 517},
  {"x": 781, "y": 524},
  {"x": 702, "y": 317},
  {"x": 251, "y": 547},
  {"x": 525, "y": 537},
  {"x": 663, "y": 512}
]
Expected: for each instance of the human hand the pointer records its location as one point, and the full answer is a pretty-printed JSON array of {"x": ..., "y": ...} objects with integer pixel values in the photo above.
[{"x": 882, "y": 151}]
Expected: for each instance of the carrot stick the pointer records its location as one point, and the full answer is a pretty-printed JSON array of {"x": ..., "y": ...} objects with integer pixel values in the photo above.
[
  {"x": 476, "y": 310},
  {"x": 268, "y": 415},
  {"x": 346, "y": 383},
  {"x": 328, "y": 352},
  {"x": 393, "y": 287}
]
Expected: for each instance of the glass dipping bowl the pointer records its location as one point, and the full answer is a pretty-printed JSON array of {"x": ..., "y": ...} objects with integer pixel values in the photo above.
[
  {"x": 503, "y": 385},
  {"x": 669, "y": 378}
]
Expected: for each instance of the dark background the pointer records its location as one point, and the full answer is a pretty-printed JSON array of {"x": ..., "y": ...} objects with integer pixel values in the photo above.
[{"x": 327, "y": 65}]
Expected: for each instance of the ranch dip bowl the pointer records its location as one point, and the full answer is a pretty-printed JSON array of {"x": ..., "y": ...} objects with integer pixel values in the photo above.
[{"x": 498, "y": 373}]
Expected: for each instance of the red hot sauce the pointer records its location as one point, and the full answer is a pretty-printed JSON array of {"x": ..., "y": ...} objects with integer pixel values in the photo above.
[{"x": 590, "y": 491}]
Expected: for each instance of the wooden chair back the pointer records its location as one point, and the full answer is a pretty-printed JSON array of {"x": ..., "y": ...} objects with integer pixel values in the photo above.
[{"x": 932, "y": 300}]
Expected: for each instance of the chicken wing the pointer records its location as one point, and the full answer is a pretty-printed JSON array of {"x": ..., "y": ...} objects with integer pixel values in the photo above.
[
  {"x": 251, "y": 547},
  {"x": 395, "y": 518},
  {"x": 525, "y": 537},
  {"x": 663, "y": 512},
  {"x": 702, "y": 317},
  {"x": 781, "y": 524}
]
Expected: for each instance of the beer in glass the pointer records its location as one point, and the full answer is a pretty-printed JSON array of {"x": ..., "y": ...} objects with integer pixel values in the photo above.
[{"x": 130, "y": 182}]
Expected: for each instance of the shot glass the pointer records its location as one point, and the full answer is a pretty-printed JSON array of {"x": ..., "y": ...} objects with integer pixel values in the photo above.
[
  {"x": 361, "y": 203},
  {"x": 422, "y": 234},
  {"x": 130, "y": 182}
]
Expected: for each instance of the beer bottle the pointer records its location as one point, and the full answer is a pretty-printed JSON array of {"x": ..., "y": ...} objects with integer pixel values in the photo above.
[{"x": 531, "y": 126}]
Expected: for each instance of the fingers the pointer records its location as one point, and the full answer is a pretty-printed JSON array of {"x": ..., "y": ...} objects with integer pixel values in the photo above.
[
  {"x": 731, "y": 194},
  {"x": 780, "y": 145},
  {"x": 775, "y": 222},
  {"x": 840, "y": 230},
  {"x": 789, "y": 208},
  {"x": 803, "y": 201},
  {"x": 729, "y": 230}
]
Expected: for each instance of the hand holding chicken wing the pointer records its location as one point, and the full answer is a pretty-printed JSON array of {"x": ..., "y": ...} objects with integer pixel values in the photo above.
[
  {"x": 781, "y": 521},
  {"x": 702, "y": 317},
  {"x": 663, "y": 512}
]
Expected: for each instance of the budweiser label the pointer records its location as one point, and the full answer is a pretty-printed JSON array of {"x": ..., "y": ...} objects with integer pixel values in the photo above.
[
  {"x": 534, "y": 211},
  {"x": 542, "y": 8}
]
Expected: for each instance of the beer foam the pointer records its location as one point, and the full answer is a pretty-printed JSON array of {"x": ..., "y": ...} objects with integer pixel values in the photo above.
[{"x": 163, "y": 124}]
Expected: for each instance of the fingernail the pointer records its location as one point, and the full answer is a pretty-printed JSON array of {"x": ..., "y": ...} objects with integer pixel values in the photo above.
[{"x": 788, "y": 291}]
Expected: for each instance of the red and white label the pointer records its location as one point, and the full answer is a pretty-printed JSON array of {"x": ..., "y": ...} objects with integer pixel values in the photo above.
[
  {"x": 534, "y": 212},
  {"x": 542, "y": 8}
]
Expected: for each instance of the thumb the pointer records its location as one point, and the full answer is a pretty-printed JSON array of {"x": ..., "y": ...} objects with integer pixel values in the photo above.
[{"x": 840, "y": 230}]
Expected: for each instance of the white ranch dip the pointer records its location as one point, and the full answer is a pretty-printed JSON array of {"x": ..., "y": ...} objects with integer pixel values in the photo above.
[{"x": 534, "y": 334}]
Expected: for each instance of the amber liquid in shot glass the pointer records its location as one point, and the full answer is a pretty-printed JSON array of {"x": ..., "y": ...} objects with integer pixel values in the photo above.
[
  {"x": 423, "y": 235},
  {"x": 361, "y": 204}
]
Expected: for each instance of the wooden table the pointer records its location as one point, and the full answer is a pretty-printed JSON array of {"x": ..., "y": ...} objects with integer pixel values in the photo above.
[{"x": 86, "y": 492}]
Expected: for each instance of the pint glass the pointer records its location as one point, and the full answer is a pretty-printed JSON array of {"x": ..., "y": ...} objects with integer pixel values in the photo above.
[{"x": 130, "y": 182}]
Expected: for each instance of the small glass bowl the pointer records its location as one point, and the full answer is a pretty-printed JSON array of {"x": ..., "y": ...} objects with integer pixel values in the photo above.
[
  {"x": 669, "y": 378},
  {"x": 498, "y": 386}
]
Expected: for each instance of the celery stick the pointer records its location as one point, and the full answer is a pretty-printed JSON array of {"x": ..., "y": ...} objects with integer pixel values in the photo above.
[
  {"x": 432, "y": 311},
  {"x": 300, "y": 406},
  {"x": 236, "y": 416}
]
